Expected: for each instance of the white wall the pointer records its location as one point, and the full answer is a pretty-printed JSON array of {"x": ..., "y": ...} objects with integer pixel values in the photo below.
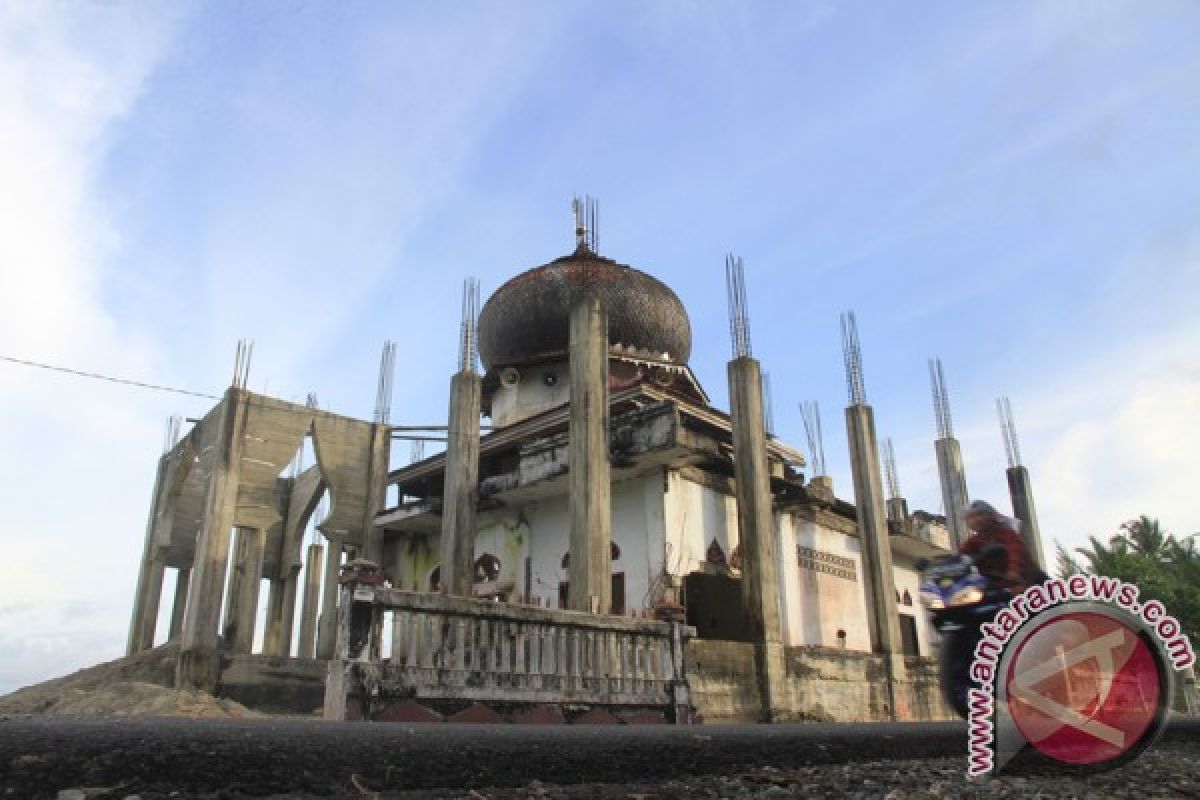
[
  {"x": 908, "y": 578},
  {"x": 818, "y": 604},
  {"x": 694, "y": 516}
]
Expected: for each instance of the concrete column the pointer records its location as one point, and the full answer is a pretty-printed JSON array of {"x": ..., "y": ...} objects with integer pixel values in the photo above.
[
  {"x": 281, "y": 615},
  {"x": 233, "y": 587},
  {"x": 145, "y": 609},
  {"x": 149, "y": 584},
  {"x": 590, "y": 507},
  {"x": 1021, "y": 492},
  {"x": 381, "y": 446},
  {"x": 897, "y": 510},
  {"x": 461, "y": 488},
  {"x": 954, "y": 488},
  {"x": 251, "y": 580},
  {"x": 307, "y": 646},
  {"x": 182, "y": 578},
  {"x": 199, "y": 663},
  {"x": 756, "y": 531},
  {"x": 327, "y": 628},
  {"x": 879, "y": 578}
]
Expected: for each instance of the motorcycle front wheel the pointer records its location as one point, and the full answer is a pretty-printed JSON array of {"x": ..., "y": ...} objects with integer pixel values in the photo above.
[{"x": 954, "y": 667}]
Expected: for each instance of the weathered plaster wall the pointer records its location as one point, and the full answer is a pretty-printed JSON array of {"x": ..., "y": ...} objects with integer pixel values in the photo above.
[
  {"x": 531, "y": 395},
  {"x": 819, "y": 604},
  {"x": 823, "y": 684},
  {"x": 695, "y": 515}
]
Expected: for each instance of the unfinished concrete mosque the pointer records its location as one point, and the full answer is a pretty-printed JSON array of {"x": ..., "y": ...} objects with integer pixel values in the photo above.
[{"x": 611, "y": 547}]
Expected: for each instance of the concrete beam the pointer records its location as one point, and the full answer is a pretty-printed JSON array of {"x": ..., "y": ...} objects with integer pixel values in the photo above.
[
  {"x": 281, "y": 615},
  {"x": 199, "y": 664},
  {"x": 1021, "y": 492},
  {"x": 247, "y": 618},
  {"x": 590, "y": 505},
  {"x": 461, "y": 486}
]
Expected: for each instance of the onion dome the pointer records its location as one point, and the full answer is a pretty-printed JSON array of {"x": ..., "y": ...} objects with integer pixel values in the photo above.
[{"x": 525, "y": 320}]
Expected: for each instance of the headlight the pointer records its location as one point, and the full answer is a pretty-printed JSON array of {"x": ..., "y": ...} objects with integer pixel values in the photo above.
[
  {"x": 931, "y": 599},
  {"x": 966, "y": 596}
]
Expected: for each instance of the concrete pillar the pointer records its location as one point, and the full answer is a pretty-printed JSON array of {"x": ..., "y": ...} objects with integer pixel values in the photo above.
[
  {"x": 1021, "y": 492},
  {"x": 182, "y": 578},
  {"x": 897, "y": 510},
  {"x": 879, "y": 578},
  {"x": 954, "y": 488},
  {"x": 756, "y": 531},
  {"x": 199, "y": 663},
  {"x": 381, "y": 446},
  {"x": 281, "y": 615},
  {"x": 145, "y": 608},
  {"x": 242, "y": 639},
  {"x": 307, "y": 646},
  {"x": 233, "y": 587},
  {"x": 590, "y": 508},
  {"x": 327, "y": 628},
  {"x": 461, "y": 488},
  {"x": 148, "y": 593}
]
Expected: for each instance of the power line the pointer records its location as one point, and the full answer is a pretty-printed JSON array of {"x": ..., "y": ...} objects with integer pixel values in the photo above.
[{"x": 109, "y": 378}]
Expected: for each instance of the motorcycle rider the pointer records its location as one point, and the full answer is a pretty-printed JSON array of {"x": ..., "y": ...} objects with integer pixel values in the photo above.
[{"x": 993, "y": 528}]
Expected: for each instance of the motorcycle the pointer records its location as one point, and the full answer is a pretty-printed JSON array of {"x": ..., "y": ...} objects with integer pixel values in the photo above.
[{"x": 961, "y": 598}]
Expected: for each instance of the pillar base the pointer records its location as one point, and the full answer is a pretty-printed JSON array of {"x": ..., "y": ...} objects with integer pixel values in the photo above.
[
  {"x": 198, "y": 668},
  {"x": 770, "y": 662},
  {"x": 899, "y": 689}
]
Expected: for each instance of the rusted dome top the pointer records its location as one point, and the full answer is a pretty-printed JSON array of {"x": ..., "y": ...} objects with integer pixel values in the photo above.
[{"x": 525, "y": 320}]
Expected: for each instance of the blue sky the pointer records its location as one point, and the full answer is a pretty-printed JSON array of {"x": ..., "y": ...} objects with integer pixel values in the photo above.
[{"x": 1010, "y": 186}]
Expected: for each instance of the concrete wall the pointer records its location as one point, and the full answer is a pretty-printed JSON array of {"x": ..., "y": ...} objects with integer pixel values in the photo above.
[
  {"x": 695, "y": 515},
  {"x": 539, "y": 531},
  {"x": 819, "y": 604},
  {"x": 531, "y": 395},
  {"x": 823, "y": 684}
]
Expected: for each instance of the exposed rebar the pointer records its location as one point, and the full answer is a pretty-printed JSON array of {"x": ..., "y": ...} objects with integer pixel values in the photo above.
[
  {"x": 810, "y": 412},
  {"x": 241, "y": 364},
  {"x": 383, "y": 390},
  {"x": 1008, "y": 430},
  {"x": 739, "y": 309},
  {"x": 468, "y": 350},
  {"x": 889, "y": 469},
  {"x": 852, "y": 357},
  {"x": 941, "y": 399}
]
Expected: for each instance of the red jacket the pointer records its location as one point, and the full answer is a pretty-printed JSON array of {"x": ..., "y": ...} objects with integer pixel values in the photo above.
[{"x": 1020, "y": 566}]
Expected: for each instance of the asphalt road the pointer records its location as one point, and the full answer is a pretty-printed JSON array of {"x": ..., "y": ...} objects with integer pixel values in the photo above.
[{"x": 263, "y": 757}]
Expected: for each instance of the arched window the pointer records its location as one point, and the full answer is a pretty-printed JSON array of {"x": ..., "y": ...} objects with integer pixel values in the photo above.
[{"x": 435, "y": 579}]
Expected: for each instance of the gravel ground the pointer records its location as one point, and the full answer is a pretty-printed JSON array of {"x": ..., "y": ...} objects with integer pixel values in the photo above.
[
  {"x": 1169, "y": 771},
  {"x": 223, "y": 759}
]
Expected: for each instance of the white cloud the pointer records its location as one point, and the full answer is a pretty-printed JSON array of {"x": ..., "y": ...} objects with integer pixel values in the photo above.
[{"x": 62, "y": 89}]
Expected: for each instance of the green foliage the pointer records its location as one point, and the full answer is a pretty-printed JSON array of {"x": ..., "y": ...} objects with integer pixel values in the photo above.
[{"x": 1164, "y": 567}]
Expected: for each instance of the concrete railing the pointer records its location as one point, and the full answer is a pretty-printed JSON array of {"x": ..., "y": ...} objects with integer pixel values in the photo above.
[{"x": 459, "y": 649}]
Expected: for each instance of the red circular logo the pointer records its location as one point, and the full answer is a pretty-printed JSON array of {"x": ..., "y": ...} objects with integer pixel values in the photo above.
[{"x": 1085, "y": 688}]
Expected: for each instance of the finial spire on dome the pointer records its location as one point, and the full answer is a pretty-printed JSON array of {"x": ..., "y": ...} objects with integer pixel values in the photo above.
[{"x": 587, "y": 217}]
